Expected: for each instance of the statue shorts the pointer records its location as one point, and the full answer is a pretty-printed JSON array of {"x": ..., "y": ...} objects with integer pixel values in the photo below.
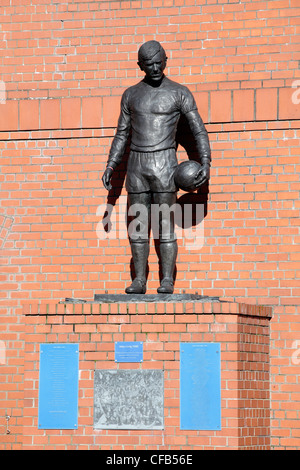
[{"x": 151, "y": 171}]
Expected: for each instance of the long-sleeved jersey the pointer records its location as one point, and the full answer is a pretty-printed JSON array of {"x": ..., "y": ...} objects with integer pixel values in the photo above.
[{"x": 151, "y": 114}]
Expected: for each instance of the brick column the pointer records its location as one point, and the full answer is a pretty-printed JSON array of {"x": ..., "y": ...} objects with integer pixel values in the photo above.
[{"x": 242, "y": 331}]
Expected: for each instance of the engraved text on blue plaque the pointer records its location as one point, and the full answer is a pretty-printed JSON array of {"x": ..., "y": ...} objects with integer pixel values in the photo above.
[
  {"x": 128, "y": 351},
  {"x": 58, "y": 386},
  {"x": 200, "y": 386}
]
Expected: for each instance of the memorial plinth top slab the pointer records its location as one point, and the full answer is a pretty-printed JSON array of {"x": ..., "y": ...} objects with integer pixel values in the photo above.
[{"x": 140, "y": 298}]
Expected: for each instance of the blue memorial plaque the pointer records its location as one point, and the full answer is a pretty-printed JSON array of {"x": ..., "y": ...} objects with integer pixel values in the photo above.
[
  {"x": 128, "y": 351},
  {"x": 200, "y": 386},
  {"x": 58, "y": 387}
]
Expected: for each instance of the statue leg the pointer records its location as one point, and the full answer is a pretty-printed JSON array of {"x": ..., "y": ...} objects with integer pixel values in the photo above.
[
  {"x": 138, "y": 232},
  {"x": 167, "y": 240}
]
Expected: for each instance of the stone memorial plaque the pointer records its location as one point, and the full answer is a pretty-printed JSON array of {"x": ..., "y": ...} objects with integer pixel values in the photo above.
[
  {"x": 128, "y": 399},
  {"x": 138, "y": 298},
  {"x": 200, "y": 386},
  {"x": 58, "y": 386}
]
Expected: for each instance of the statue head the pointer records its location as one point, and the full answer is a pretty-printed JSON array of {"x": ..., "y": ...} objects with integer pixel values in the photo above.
[{"x": 152, "y": 60}]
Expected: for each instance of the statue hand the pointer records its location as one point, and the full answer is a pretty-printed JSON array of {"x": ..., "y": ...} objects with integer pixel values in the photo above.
[
  {"x": 203, "y": 176},
  {"x": 106, "y": 178}
]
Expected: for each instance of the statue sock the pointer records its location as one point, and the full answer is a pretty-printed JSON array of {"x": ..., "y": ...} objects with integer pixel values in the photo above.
[
  {"x": 168, "y": 255},
  {"x": 140, "y": 253}
]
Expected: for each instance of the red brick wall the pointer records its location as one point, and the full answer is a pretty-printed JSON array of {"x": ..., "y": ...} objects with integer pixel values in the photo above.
[{"x": 64, "y": 66}]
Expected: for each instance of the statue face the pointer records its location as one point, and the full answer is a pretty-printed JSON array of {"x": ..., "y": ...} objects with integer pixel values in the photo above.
[{"x": 154, "y": 67}]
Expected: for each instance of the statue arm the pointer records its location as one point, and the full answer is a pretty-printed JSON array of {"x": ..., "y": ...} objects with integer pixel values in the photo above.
[
  {"x": 118, "y": 145},
  {"x": 119, "y": 142},
  {"x": 202, "y": 144},
  {"x": 200, "y": 135}
]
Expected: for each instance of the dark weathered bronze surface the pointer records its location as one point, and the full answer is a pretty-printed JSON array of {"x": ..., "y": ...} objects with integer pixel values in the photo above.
[{"x": 150, "y": 114}]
